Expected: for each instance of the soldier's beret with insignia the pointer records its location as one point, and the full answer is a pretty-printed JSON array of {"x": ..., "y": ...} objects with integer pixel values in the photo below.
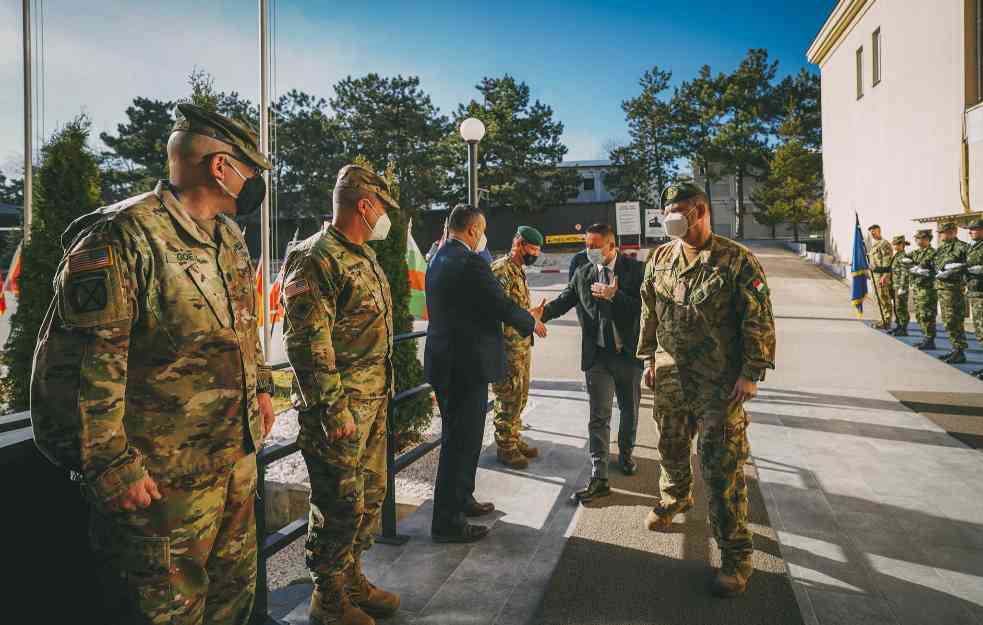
[
  {"x": 947, "y": 226},
  {"x": 900, "y": 240},
  {"x": 530, "y": 235},
  {"x": 358, "y": 177},
  {"x": 193, "y": 118},
  {"x": 976, "y": 224},
  {"x": 681, "y": 191},
  {"x": 925, "y": 233}
]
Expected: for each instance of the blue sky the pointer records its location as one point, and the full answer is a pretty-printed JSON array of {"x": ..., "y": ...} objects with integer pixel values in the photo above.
[{"x": 582, "y": 58}]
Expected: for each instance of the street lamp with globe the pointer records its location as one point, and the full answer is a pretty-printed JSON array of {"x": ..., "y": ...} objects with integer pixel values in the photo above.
[{"x": 472, "y": 131}]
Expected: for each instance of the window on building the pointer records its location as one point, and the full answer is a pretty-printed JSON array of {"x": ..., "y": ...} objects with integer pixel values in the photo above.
[
  {"x": 860, "y": 72},
  {"x": 875, "y": 46},
  {"x": 589, "y": 184}
]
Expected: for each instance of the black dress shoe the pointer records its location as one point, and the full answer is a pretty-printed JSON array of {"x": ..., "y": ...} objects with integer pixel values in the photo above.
[
  {"x": 594, "y": 489},
  {"x": 476, "y": 508},
  {"x": 464, "y": 534},
  {"x": 628, "y": 466}
]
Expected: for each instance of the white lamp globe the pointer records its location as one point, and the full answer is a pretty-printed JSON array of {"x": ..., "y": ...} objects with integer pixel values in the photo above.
[{"x": 472, "y": 130}]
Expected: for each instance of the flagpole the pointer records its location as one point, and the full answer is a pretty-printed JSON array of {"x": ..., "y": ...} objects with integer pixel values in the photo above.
[
  {"x": 264, "y": 147},
  {"x": 28, "y": 122},
  {"x": 877, "y": 296}
]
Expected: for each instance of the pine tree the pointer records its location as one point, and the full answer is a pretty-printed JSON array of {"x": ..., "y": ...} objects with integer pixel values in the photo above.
[{"x": 66, "y": 186}]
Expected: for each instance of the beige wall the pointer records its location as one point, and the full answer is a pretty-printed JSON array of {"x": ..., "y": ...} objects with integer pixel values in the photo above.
[{"x": 895, "y": 154}]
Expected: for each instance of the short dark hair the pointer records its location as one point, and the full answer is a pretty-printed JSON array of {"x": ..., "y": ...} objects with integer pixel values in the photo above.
[
  {"x": 462, "y": 217},
  {"x": 605, "y": 230}
]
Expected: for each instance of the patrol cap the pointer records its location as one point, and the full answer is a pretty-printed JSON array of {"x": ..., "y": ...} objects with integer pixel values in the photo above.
[
  {"x": 358, "y": 177},
  {"x": 946, "y": 226},
  {"x": 871, "y": 227},
  {"x": 681, "y": 191},
  {"x": 925, "y": 233},
  {"x": 976, "y": 224},
  {"x": 242, "y": 138},
  {"x": 900, "y": 240},
  {"x": 530, "y": 235}
]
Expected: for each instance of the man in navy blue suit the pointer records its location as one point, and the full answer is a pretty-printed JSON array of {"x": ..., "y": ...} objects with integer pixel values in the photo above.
[{"x": 464, "y": 352}]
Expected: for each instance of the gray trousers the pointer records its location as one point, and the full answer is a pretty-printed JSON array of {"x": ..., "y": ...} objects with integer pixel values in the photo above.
[{"x": 612, "y": 376}]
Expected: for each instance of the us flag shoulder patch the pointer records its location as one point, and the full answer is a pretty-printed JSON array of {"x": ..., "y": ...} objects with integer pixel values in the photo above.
[
  {"x": 90, "y": 259},
  {"x": 296, "y": 287}
]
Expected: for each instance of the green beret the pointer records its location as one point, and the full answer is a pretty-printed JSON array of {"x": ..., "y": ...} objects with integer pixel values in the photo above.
[
  {"x": 900, "y": 240},
  {"x": 358, "y": 177},
  {"x": 946, "y": 226},
  {"x": 530, "y": 235},
  {"x": 238, "y": 135},
  {"x": 682, "y": 191},
  {"x": 869, "y": 228},
  {"x": 976, "y": 224},
  {"x": 925, "y": 233}
]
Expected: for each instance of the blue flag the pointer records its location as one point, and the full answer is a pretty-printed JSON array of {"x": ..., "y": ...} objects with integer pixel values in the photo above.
[{"x": 858, "y": 270}]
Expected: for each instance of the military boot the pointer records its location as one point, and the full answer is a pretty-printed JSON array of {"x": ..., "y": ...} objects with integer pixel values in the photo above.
[
  {"x": 731, "y": 579},
  {"x": 955, "y": 357},
  {"x": 331, "y": 605},
  {"x": 926, "y": 344},
  {"x": 367, "y": 596},
  {"x": 512, "y": 458},
  {"x": 527, "y": 450},
  {"x": 901, "y": 331},
  {"x": 660, "y": 520}
]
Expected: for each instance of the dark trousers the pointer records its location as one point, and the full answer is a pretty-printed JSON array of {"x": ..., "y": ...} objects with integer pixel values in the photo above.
[
  {"x": 612, "y": 375},
  {"x": 463, "y": 406}
]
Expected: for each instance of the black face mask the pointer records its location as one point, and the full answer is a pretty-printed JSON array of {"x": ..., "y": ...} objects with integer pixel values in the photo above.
[
  {"x": 251, "y": 195},
  {"x": 529, "y": 259}
]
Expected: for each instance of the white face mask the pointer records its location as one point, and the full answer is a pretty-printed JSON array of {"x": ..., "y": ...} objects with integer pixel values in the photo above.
[
  {"x": 482, "y": 244},
  {"x": 595, "y": 255},
  {"x": 381, "y": 229},
  {"x": 676, "y": 225}
]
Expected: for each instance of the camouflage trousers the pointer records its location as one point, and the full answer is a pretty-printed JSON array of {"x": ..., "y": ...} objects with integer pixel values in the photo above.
[
  {"x": 511, "y": 395},
  {"x": 348, "y": 485},
  {"x": 885, "y": 298},
  {"x": 901, "y": 311},
  {"x": 976, "y": 310},
  {"x": 685, "y": 408},
  {"x": 187, "y": 559},
  {"x": 952, "y": 302},
  {"x": 926, "y": 309}
]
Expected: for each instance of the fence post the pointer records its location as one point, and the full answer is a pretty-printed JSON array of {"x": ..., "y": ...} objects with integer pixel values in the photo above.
[
  {"x": 261, "y": 602},
  {"x": 389, "y": 535}
]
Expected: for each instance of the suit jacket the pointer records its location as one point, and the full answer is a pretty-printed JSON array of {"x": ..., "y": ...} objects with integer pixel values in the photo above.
[
  {"x": 624, "y": 310},
  {"x": 467, "y": 308}
]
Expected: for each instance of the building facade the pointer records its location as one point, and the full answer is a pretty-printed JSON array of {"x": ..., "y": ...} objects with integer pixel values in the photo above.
[
  {"x": 723, "y": 197},
  {"x": 590, "y": 187},
  {"x": 902, "y": 108}
]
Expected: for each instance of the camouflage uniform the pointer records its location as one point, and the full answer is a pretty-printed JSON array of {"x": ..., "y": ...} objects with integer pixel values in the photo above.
[
  {"x": 900, "y": 283},
  {"x": 880, "y": 266},
  {"x": 338, "y": 334},
  {"x": 974, "y": 282},
  {"x": 151, "y": 350},
  {"x": 923, "y": 286},
  {"x": 702, "y": 327},
  {"x": 512, "y": 392},
  {"x": 951, "y": 290}
]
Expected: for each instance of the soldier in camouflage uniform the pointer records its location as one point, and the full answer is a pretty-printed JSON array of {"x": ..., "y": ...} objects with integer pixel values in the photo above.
[
  {"x": 881, "y": 254},
  {"x": 922, "y": 275},
  {"x": 974, "y": 280},
  {"x": 338, "y": 334},
  {"x": 900, "y": 281},
  {"x": 512, "y": 392},
  {"x": 149, "y": 381},
  {"x": 707, "y": 337},
  {"x": 950, "y": 285}
]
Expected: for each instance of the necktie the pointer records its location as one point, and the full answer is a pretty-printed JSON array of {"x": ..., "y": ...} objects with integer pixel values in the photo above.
[{"x": 607, "y": 326}]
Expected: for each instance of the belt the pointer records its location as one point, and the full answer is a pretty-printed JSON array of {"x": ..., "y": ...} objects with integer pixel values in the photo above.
[{"x": 881, "y": 270}]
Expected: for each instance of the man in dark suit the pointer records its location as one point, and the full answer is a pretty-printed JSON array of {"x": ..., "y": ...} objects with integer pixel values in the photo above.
[
  {"x": 464, "y": 352},
  {"x": 605, "y": 291}
]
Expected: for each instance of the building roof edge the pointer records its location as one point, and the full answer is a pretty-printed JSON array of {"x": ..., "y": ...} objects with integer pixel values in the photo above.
[{"x": 843, "y": 16}]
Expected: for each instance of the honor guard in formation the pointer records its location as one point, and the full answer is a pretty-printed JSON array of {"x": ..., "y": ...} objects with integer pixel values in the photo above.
[
  {"x": 900, "y": 280},
  {"x": 881, "y": 255},
  {"x": 512, "y": 392},
  {"x": 150, "y": 383},
  {"x": 338, "y": 333},
  {"x": 950, "y": 286},
  {"x": 922, "y": 275},
  {"x": 707, "y": 338},
  {"x": 974, "y": 280}
]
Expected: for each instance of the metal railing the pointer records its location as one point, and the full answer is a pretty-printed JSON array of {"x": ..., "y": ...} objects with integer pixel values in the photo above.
[{"x": 276, "y": 541}]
